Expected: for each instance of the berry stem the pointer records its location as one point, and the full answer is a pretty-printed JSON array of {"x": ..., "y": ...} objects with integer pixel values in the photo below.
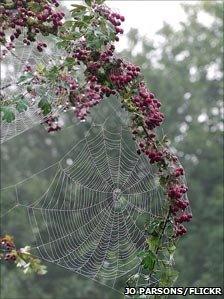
[{"x": 166, "y": 220}]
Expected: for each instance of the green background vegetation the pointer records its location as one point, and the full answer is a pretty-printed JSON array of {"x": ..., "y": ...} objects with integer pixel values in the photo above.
[{"x": 185, "y": 71}]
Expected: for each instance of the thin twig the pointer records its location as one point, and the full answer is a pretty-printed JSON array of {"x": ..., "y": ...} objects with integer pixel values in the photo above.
[{"x": 160, "y": 238}]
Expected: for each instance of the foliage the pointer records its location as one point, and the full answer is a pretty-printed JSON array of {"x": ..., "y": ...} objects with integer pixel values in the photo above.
[
  {"x": 201, "y": 141},
  {"x": 21, "y": 257},
  {"x": 28, "y": 19}
]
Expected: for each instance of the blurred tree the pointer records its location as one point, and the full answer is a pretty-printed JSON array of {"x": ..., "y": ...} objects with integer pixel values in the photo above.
[{"x": 186, "y": 71}]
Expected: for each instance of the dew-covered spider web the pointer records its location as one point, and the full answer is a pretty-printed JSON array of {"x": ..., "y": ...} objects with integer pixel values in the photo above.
[
  {"x": 85, "y": 195},
  {"x": 12, "y": 70}
]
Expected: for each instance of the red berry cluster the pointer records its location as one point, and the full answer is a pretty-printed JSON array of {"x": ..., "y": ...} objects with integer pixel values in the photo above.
[
  {"x": 41, "y": 46},
  {"x": 27, "y": 69},
  {"x": 11, "y": 257},
  {"x": 86, "y": 101},
  {"x": 143, "y": 126},
  {"x": 176, "y": 191},
  {"x": 123, "y": 75},
  {"x": 179, "y": 203},
  {"x": 52, "y": 123},
  {"x": 82, "y": 99},
  {"x": 149, "y": 107},
  {"x": 155, "y": 156},
  {"x": 114, "y": 18},
  {"x": 106, "y": 55},
  {"x": 175, "y": 188},
  {"x": 70, "y": 81},
  {"x": 185, "y": 217},
  {"x": 19, "y": 18},
  {"x": 81, "y": 54},
  {"x": 90, "y": 96},
  {"x": 178, "y": 171},
  {"x": 6, "y": 247}
]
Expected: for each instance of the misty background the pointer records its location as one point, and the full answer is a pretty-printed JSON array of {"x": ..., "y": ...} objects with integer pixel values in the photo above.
[{"x": 179, "y": 46}]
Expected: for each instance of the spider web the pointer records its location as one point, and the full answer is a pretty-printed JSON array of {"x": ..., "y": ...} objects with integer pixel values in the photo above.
[
  {"x": 90, "y": 216},
  {"x": 89, "y": 207},
  {"x": 12, "y": 68}
]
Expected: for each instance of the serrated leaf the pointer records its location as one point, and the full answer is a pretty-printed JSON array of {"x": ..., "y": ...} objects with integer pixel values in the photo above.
[
  {"x": 77, "y": 9},
  {"x": 53, "y": 73},
  {"x": 25, "y": 77},
  {"x": 62, "y": 44},
  {"x": 171, "y": 248},
  {"x": 89, "y": 2},
  {"x": 87, "y": 19},
  {"x": 163, "y": 181},
  {"x": 153, "y": 242},
  {"x": 69, "y": 61},
  {"x": 68, "y": 24},
  {"x": 149, "y": 260},
  {"x": 78, "y": 15},
  {"x": 21, "y": 105},
  {"x": 34, "y": 6},
  {"x": 153, "y": 228},
  {"x": 45, "y": 106},
  {"x": 8, "y": 114},
  {"x": 40, "y": 68},
  {"x": 78, "y": 6},
  {"x": 168, "y": 276},
  {"x": 141, "y": 253}
]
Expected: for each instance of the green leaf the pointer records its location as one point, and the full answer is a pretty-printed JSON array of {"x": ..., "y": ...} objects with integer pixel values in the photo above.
[
  {"x": 169, "y": 229},
  {"x": 68, "y": 24},
  {"x": 69, "y": 61},
  {"x": 163, "y": 181},
  {"x": 8, "y": 114},
  {"x": 53, "y": 73},
  {"x": 171, "y": 248},
  {"x": 34, "y": 6},
  {"x": 22, "y": 105},
  {"x": 153, "y": 228},
  {"x": 95, "y": 38},
  {"x": 87, "y": 19},
  {"x": 25, "y": 77},
  {"x": 99, "y": 1},
  {"x": 153, "y": 242},
  {"x": 149, "y": 260},
  {"x": 63, "y": 44},
  {"x": 45, "y": 106},
  {"x": 78, "y": 10},
  {"x": 89, "y": 2},
  {"x": 78, "y": 7},
  {"x": 168, "y": 276},
  {"x": 40, "y": 68},
  {"x": 141, "y": 253}
]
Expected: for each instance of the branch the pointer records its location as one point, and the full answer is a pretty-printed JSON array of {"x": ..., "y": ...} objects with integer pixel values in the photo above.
[
  {"x": 6, "y": 86},
  {"x": 160, "y": 238},
  {"x": 164, "y": 227}
]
